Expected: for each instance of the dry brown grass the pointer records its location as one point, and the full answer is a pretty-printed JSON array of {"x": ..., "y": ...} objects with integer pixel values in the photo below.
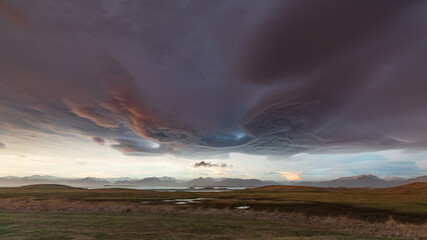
[{"x": 390, "y": 228}]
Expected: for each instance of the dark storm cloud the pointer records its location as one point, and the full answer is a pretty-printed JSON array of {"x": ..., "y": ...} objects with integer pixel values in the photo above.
[
  {"x": 202, "y": 79},
  {"x": 348, "y": 77},
  {"x": 209, "y": 165},
  {"x": 305, "y": 35}
]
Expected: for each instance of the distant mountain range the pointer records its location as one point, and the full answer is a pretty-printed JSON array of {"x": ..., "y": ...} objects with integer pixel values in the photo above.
[
  {"x": 227, "y": 182},
  {"x": 151, "y": 182},
  {"x": 88, "y": 181},
  {"x": 412, "y": 180},
  {"x": 369, "y": 181}
]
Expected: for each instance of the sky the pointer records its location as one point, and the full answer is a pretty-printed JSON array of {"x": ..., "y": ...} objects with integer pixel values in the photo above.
[{"x": 280, "y": 90}]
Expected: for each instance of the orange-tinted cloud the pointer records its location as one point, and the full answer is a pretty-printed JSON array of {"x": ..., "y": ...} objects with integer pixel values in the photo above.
[
  {"x": 291, "y": 176},
  {"x": 97, "y": 114}
]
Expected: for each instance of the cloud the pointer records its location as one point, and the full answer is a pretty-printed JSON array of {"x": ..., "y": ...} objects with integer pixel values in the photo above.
[
  {"x": 80, "y": 163},
  {"x": 15, "y": 16},
  {"x": 337, "y": 78},
  {"x": 139, "y": 147},
  {"x": 99, "y": 115},
  {"x": 291, "y": 176},
  {"x": 209, "y": 165},
  {"x": 2, "y": 145},
  {"x": 309, "y": 34},
  {"x": 98, "y": 140},
  {"x": 300, "y": 76}
]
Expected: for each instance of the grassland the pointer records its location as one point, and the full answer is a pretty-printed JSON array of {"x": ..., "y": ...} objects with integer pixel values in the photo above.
[
  {"x": 277, "y": 212},
  {"x": 46, "y": 226}
]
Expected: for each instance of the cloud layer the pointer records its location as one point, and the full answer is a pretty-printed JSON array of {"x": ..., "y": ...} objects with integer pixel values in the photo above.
[
  {"x": 202, "y": 79},
  {"x": 209, "y": 165},
  {"x": 98, "y": 140}
]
